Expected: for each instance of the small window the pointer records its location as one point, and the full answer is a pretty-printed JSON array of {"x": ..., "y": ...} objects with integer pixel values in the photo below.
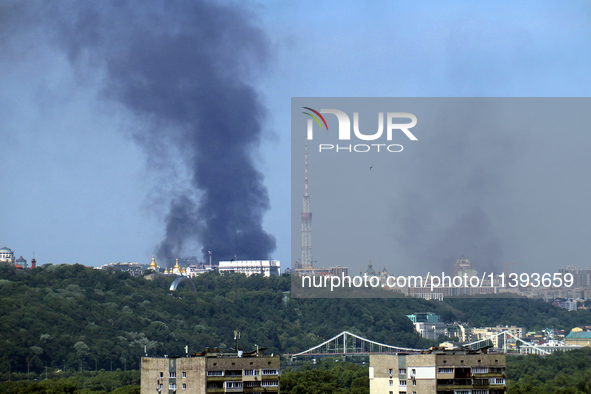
[
  {"x": 173, "y": 374},
  {"x": 414, "y": 382},
  {"x": 161, "y": 374},
  {"x": 184, "y": 386},
  {"x": 402, "y": 382},
  {"x": 391, "y": 383},
  {"x": 184, "y": 374},
  {"x": 391, "y": 371}
]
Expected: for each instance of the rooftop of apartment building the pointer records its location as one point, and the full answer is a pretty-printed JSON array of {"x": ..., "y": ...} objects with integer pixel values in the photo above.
[{"x": 212, "y": 372}]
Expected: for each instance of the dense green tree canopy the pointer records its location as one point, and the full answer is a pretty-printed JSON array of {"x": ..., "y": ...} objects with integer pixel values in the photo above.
[
  {"x": 73, "y": 317},
  {"x": 560, "y": 372}
]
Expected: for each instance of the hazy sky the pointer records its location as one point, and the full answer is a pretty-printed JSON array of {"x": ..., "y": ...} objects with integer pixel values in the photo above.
[
  {"x": 82, "y": 185},
  {"x": 494, "y": 179}
]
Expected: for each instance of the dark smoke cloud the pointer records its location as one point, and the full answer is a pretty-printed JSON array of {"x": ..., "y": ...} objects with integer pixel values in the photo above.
[
  {"x": 470, "y": 232},
  {"x": 184, "y": 68},
  {"x": 459, "y": 187}
]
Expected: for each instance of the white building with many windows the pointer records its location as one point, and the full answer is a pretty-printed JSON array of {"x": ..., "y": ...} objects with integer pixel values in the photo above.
[
  {"x": 251, "y": 267},
  {"x": 6, "y": 255}
]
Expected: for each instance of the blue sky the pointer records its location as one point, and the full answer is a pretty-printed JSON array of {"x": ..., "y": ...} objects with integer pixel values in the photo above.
[{"x": 79, "y": 189}]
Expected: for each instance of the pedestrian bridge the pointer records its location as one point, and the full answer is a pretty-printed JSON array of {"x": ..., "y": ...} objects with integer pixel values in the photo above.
[{"x": 347, "y": 344}]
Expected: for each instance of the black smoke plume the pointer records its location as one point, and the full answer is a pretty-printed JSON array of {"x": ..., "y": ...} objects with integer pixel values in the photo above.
[{"x": 184, "y": 67}]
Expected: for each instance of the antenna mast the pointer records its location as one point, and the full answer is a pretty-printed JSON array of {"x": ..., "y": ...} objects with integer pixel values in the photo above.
[{"x": 306, "y": 217}]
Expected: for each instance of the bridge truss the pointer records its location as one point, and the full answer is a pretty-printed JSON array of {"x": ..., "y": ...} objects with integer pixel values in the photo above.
[
  {"x": 505, "y": 335},
  {"x": 349, "y": 344}
]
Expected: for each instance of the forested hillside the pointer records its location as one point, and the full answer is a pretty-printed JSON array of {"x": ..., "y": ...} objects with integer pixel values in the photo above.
[
  {"x": 71, "y": 316},
  {"x": 116, "y": 382},
  {"x": 560, "y": 372}
]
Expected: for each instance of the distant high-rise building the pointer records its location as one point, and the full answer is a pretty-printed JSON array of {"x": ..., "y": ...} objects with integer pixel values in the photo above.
[
  {"x": 463, "y": 264},
  {"x": 339, "y": 271},
  {"x": 581, "y": 276}
]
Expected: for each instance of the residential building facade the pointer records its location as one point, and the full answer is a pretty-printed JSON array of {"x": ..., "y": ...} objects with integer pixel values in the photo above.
[
  {"x": 211, "y": 373},
  {"x": 438, "y": 372}
]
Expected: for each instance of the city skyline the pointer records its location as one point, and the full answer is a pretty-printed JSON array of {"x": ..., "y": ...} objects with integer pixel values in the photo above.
[{"x": 80, "y": 189}]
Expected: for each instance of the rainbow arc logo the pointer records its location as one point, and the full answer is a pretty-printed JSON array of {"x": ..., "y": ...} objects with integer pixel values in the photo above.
[{"x": 315, "y": 118}]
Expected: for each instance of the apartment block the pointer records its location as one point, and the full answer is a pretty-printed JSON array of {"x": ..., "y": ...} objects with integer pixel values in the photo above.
[
  {"x": 438, "y": 372},
  {"x": 211, "y": 373}
]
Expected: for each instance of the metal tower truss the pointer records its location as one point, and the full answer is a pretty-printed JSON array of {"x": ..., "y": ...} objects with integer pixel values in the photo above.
[{"x": 306, "y": 222}]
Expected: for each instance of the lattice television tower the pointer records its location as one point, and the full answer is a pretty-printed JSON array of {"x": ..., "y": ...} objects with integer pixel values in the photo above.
[{"x": 306, "y": 221}]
